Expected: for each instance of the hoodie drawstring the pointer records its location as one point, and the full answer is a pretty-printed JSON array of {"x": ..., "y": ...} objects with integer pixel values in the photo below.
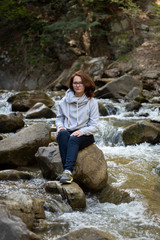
[
  {"x": 77, "y": 114},
  {"x": 68, "y": 115}
]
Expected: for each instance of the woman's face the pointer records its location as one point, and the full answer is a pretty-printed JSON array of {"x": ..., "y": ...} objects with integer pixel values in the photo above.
[{"x": 78, "y": 86}]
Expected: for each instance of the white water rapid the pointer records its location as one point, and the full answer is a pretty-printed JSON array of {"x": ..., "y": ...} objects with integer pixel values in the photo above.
[{"x": 130, "y": 168}]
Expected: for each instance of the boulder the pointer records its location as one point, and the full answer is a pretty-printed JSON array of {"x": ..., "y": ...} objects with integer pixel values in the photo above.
[
  {"x": 20, "y": 148},
  {"x": 49, "y": 161},
  {"x": 86, "y": 234},
  {"x": 113, "y": 195},
  {"x": 10, "y": 123},
  {"x": 23, "y": 101},
  {"x": 118, "y": 88},
  {"x": 15, "y": 175},
  {"x": 29, "y": 209},
  {"x": 72, "y": 192},
  {"x": 11, "y": 227},
  {"x": 40, "y": 110},
  {"x": 90, "y": 170},
  {"x": 133, "y": 106},
  {"x": 142, "y": 131}
]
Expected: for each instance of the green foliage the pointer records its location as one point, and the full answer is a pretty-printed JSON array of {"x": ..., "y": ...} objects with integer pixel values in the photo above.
[
  {"x": 11, "y": 10},
  {"x": 102, "y": 5},
  {"x": 70, "y": 26}
]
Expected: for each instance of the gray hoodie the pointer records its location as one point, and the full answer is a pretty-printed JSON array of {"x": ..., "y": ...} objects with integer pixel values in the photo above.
[{"x": 78, "y": 113}]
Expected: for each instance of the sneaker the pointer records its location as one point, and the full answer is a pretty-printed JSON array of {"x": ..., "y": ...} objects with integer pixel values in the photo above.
[{"x": 66, "y": 177}]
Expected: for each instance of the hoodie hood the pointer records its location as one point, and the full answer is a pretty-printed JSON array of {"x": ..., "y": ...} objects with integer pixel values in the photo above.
[{"x": 71, "y": 98}]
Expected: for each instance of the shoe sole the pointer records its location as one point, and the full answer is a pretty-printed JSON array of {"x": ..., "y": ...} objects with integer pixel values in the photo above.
[{"x": 69, "y": 181}]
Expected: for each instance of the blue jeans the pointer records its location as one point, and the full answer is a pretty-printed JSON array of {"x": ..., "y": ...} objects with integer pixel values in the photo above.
[{"x": 69, "y": 147}]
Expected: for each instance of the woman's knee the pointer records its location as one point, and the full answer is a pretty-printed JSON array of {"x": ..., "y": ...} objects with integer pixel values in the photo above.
[
  {"x": 63, "y": 133},
  {"x": 74, "y": 139}
]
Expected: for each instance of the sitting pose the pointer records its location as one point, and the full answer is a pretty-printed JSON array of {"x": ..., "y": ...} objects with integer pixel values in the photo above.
[{"x": 76, "y": 122}]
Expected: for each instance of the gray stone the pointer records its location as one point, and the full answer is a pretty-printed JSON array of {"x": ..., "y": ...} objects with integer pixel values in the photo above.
[
  {"x": 23, "y": 101},
  {"x": 118, "y": 88},
  {"x": 20, "y": 148},
  {"x": 142, "y": 131},
  {"x": 11, "y": 227},
  {"x": 40, "y": 110},
  {"x": 90, "y": 170},
  {"x": 10, "y": 123},
  {"x": 72, "y": 192},
  {"x": 27, "y": 208},
  {"x": 15, "y": 175},
  {"x": 49, "y": 161},
  {"x": 86, "y": 234}
]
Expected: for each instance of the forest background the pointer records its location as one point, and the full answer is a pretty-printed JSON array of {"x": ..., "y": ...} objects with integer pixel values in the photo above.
[{"x": 41, "y": 38}]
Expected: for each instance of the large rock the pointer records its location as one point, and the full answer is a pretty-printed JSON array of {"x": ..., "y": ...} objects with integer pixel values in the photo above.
[
  {"x": 90, "y": 170},
  {"x": 118, "y": 88},
  {"x": 142, "y": 131},
  {"x": 86, "y": 234},
  {"x": 72, "y": 192},
  {"x": 40, "y": 110},
  {"x": 20, "y": 148},
  {"x": 14, "y": 175},
  {"x": 10, "y": 123},
  {"x": 11, "y": 227},
  {"x": 49, "y": 161},
  {"x": 113, "y": 195},
  {"x": 29, "y": 209},
  {"x": 23, "y": 101}
]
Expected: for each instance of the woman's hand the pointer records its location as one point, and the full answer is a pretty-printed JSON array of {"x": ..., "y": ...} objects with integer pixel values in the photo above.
[
  {"x": 77, "y": 133},
  {"x": 59, "y": 129}
]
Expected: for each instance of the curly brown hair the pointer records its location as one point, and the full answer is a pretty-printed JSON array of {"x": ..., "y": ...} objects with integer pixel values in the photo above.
[{"x": 87, "y": 82}]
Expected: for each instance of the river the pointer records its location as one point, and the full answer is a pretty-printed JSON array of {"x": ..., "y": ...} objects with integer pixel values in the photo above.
[{"x": 130, "y": 168}]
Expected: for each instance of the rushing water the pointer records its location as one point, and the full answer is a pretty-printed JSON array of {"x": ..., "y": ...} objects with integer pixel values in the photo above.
[{"x": 130, "y": 168}]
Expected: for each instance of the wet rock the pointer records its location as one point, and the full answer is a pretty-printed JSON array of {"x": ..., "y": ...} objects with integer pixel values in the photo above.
[
  {"x": 134, "y": 93},
  {"x": 142, "y": 131},
  {"x": 156, "y": 119},
  {"x": 10, "y": 123},
  {"x": 90, "y": 170},
  {"x": 27, "y": 208},
  {"x": 56, "y": 226},
  {"x": 11, "y": 227},
  {"x": 86, "y": 234},
  {"x": 102, "y": 110},
  {"x": 72, "y": 192},
  {"x": 23, "y": 101},
  {"x": 133, "y": 106},
  {"x": 113, "y": 195},
  {"x": 112, "y": 73},
  {"x": 158, "y": 169},
  {"x": 118, "y": 88},
  {"x": 152, "y": 74},
  {"x": 49, "y": 161},
  {"x": 20, "y": 148},
  {"x": 15, "y": 175},
  {"x": 33, "y": 236},
  {"x": 40, "y": 110},
  {"x": 111, "y": 109},
  {"x": 155, "y": 100}
]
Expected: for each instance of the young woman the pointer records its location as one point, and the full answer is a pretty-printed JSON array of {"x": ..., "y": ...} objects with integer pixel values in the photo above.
[{"x": 76, "y": 122}]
